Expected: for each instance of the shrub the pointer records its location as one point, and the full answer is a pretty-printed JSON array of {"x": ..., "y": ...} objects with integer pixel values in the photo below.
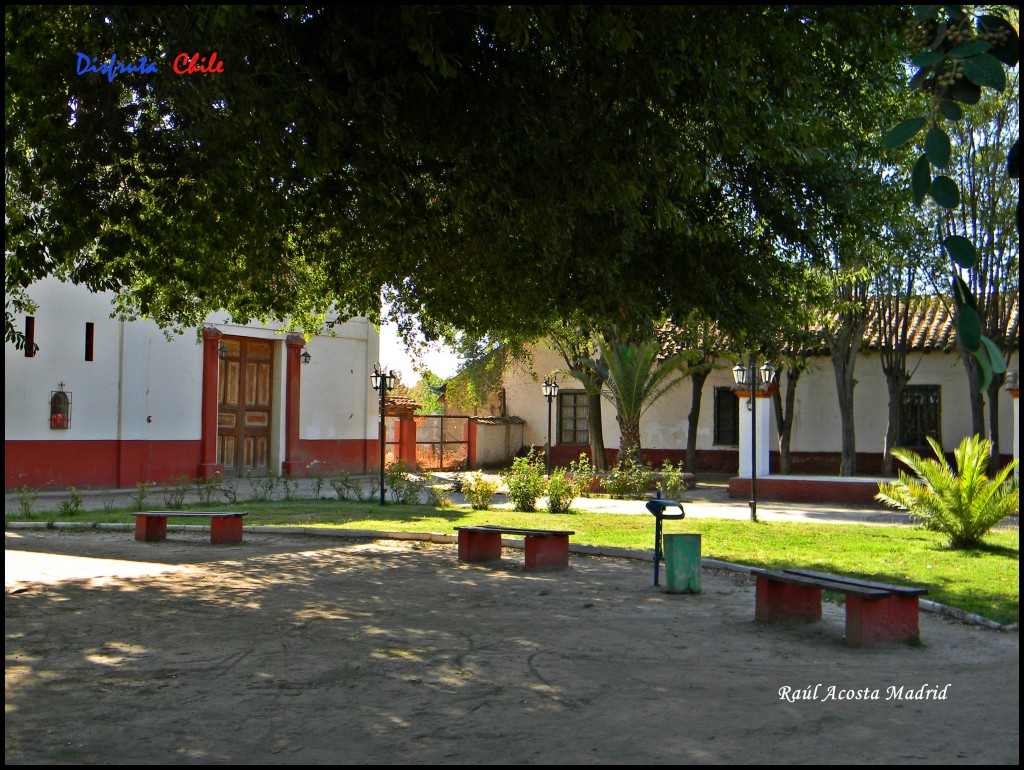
[
  {"x": 262, "y": 487},
  {"x": 674, "y": 481},
  {"x": 26, "y": 499},
  {"x": 141, "y": 495},
  {"x": 207, "y": 488},
  {"x": 343, "y": 485},
  {"x": 174, "y": 495},
  {"x": 73, "y": 505},
  {"x": 403, "y": 489},
  {"x": 367, "y": 494},
  {"x": 230, "y": 491},
  {"x": 629, "y": 477},
  {"x": 561, "y": 492},
  {"x": 478, "y": 491},
  {"x": 964, "y": 504},
  {"x": 583, "y": 474},
  {"x": 290, "y": 486},
  {"x": 525, "y": 481},
  {"x": 437, "y": 491}
]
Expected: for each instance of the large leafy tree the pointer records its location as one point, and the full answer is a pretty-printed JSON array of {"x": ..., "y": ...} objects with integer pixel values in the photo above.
[{"x": 486, "y": 168}]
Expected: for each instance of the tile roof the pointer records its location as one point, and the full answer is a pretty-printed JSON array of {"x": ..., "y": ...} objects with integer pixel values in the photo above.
[
  {"x": 931, "y": 330},
  {"x": 400, "y": 405}
]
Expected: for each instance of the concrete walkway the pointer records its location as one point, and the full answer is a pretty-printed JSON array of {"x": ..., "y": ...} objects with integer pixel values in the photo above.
[{"x": 709, "y": 500}]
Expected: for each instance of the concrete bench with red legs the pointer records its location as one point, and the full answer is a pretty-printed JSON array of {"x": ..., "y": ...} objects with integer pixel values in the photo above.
[
  {"x": 545, "y": 548},
  {"x": 225, "y": 527},
  {"x": 875, "y": 612}
]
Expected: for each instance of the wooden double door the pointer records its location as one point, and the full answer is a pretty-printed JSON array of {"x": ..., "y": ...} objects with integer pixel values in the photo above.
[{"x": 244, "y": 406}]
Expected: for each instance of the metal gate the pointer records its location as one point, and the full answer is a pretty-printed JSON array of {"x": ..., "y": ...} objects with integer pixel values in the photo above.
[{"x": 442, "y": 442}]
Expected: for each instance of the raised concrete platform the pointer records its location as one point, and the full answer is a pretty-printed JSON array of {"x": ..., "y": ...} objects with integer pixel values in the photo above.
[{"x": 857, "y": 490}]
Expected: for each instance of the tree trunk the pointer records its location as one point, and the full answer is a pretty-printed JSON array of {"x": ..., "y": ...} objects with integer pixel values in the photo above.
[
  {"x": 843, "y": 346},
  {"x": 630, "y": 432},
  {"x": 977, "y": 397},
  {"x": 844, "y": 358},
  {"x": 995, "y": 463},
  {"x": 784, "y": 420},
  {"x": 895, "y": 383},
  {"x": 596, "y": 430},
  {"x": 848, "y": 463},
  {"x": 697, "y": 381}
]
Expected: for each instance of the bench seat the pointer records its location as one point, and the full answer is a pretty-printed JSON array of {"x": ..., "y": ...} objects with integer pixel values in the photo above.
[
  {"x": 225, "y": 526},
  {"x": 875, "y": 612},
  {"x": 545, "y": 548}
]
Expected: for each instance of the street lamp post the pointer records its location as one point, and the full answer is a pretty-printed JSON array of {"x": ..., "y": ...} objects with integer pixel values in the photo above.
[
  {"x": 550, "y": 389},
  {"x": 747, "y": 378},
  {"x": 382, "y": 383}
]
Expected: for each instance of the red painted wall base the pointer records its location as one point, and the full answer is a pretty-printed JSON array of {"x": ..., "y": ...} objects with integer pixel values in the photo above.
[
  {"x": 822, "y": 490},
  {"x": 123, "y": 464}
]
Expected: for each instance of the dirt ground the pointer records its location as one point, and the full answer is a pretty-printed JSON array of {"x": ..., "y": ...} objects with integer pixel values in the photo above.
[{"x": 312, "y": 650}]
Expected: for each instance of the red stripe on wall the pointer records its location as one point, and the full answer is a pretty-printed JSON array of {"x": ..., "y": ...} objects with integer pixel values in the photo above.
[
  {"x": 97, "y": 464},
  {"x": 318, "y": 457},
  {"x": 114, "y": 464}
]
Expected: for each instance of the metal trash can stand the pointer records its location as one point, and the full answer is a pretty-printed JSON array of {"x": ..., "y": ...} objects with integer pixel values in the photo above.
[
  {"x": 682, "y": 563},
  {"x": 657, "y": 508}
]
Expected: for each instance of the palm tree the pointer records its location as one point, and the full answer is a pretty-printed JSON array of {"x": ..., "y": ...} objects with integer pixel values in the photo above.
[
  {"x": 964, "y": 504},
  {"x": 634, "y": 380}
]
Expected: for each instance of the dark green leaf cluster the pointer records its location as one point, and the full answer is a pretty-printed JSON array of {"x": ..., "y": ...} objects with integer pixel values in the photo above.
[
  {"x": 486, "y": 168},
  {"x": 960, "y": 54}
]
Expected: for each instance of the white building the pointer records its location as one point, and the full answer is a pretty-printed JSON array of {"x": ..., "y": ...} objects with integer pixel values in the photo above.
[
  {"x": 106, "y": 403},
  {"x": 936, "y": 402}
]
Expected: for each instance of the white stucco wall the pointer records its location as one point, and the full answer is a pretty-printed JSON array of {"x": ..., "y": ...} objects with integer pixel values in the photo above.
[
  {"x": 161, "y": 378},
  {"x": 497, "y": 444},
  {"x": 338, "y": 401},
  {"x": 143, "y": 386},
  {"x": 816, "y": 426},
  {"x": 816, "y": 423},
  {"x": 664, "y": 425}
]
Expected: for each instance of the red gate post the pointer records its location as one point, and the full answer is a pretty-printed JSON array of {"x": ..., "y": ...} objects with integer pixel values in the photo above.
[
  {"x": 407, "y": 440},
  {"x": 470, "y": 435}
]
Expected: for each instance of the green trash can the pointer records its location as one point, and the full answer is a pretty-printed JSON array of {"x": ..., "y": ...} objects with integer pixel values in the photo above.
[{"x": 682, "y": 564}]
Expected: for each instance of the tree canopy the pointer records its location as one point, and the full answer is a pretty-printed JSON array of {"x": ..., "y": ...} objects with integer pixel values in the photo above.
[{"x": 485, "y": 168}]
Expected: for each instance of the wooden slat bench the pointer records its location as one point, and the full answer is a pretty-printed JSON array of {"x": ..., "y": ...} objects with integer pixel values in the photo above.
[
  {"x": 225, "y": 527},
  {"x": 545, "y": 548},
  {"x": 875, "y": 612}
]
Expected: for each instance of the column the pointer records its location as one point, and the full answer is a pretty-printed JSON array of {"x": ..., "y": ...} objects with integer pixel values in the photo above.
[
  {"x": 208, "y": 465},
  {"x": 764, "y": 432},
  {"x": 292, "y": 465}
]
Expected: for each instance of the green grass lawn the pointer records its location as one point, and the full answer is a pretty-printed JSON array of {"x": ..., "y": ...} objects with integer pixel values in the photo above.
[{"x": 983, "y": 581}]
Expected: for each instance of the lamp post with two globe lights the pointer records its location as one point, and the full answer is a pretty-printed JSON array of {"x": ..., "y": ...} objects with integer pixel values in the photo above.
[
  {"x": 550, "y": 390},
  {"x": 382, "y": 382},
  {"x": 747, "y": 379}
]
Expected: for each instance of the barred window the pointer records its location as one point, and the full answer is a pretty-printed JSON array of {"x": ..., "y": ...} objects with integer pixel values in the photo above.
[
  {"x": 573, "y": 411},
  {"x": 920, "y": 415},
  {"x": 727, "y": 417}
]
